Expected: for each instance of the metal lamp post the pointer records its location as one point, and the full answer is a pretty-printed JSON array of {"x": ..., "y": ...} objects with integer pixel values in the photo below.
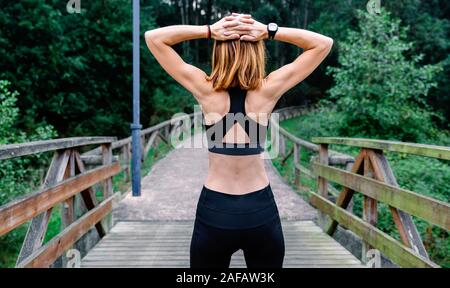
[{"x": 136, "y": 126}]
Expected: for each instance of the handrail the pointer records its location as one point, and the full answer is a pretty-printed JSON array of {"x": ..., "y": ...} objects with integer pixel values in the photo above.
[
  {"x": 28, "y": 148},
  {"x": 144, "y": 133},
  {"x": 66, "y": 178},
  {"x": 433, "y": 151},
  {"x": 17, "y": 212},
  {"x": 335, "y": 157},
  {"x": 372, "y": 176}
]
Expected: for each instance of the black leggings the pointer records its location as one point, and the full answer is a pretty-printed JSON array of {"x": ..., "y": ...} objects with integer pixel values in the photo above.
[{"x": 226, "y": 223}]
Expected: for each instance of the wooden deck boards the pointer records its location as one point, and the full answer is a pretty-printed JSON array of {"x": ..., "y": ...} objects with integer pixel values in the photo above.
[{"x": 166, "y": 244}]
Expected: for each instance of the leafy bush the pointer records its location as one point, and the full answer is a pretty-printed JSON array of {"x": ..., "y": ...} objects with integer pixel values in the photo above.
[
  {"x": 19, "y": 175},
  {"x": 378, "y": 90}
]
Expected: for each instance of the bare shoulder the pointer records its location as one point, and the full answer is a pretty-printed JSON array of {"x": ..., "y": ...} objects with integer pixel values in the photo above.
[
  {"x": 263, "y": 94},
  {"x": 261, "y": 100}
]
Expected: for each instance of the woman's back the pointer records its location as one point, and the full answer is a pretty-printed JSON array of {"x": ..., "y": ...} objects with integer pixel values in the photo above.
[{"x": 230, "y": 171}]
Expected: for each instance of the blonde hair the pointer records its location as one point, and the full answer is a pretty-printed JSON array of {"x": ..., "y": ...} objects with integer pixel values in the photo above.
[{"x": 237, "y": 63}]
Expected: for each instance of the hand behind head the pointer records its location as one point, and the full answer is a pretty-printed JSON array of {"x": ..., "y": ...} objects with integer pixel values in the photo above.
[{"x": 238, "y": 26}]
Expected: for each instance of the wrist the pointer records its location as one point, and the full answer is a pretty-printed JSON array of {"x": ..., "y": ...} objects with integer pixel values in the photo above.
[
  {"x": 208, "y": 31},
  {"x": 265, "y": 34}
]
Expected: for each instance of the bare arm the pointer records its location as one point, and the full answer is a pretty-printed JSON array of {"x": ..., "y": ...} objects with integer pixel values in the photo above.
[
  {"x": 160, "y": 40},
  {"x": 315, "y": 48}
]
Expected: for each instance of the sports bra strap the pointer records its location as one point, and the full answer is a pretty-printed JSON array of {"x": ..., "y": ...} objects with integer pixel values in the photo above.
[{"x": 237, "y": 100}]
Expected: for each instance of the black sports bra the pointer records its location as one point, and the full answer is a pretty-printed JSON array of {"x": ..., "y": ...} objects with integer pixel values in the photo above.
[{"x": 216, "y": 132}]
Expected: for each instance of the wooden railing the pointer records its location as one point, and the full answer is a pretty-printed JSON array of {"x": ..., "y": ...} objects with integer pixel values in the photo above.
[
  {"x": 69, "y": 176},
  {"x": 372, "y": 176},
  {"x": 149, "y": 138},
  {"x": 334, "y": 158},
  {"x": 66, "y": 178}
]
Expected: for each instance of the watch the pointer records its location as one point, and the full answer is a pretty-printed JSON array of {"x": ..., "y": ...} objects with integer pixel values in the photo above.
[{"x": 272, "y": 28}]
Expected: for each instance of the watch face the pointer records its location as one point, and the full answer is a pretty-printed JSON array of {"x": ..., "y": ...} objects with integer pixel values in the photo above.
[{"x": 272, "y": 26}]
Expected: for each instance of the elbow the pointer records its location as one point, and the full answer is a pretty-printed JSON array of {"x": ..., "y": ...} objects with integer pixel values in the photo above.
[
  {"x": 152, "y": 40},
  {"x": 149, "y": 36},
  {"x": 326, "y": 44}
]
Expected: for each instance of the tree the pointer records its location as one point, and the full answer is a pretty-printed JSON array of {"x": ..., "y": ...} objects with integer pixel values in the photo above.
[{"x": 379, "y": 91}]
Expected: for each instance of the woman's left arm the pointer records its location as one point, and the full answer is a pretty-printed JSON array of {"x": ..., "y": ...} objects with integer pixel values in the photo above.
[{"x": 160, "y": 40}]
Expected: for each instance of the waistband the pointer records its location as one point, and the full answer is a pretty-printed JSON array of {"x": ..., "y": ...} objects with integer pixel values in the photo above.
[{"x": 229, "y": 211}]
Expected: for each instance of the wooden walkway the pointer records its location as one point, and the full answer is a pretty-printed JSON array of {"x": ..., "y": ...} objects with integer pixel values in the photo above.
[
  {"x": 166, "y": 244},
  {"x": 154, "y": 230}
]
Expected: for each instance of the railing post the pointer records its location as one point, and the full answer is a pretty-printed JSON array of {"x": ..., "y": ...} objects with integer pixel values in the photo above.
[
  {"x": 282, "y": 145},
  {"x": 322, "y": 182},
  {"x": 143, "y": 148},
  {"x": 38, "y": 226},
  {"x": 126, "y": 159},
  {"x": 67, "y": 212},
  {"x": 348, "y": 167},
  {"x": 369, "y": 207},
  {"x": 107, "y": 184},
  {"x": 296, "y": 164}
]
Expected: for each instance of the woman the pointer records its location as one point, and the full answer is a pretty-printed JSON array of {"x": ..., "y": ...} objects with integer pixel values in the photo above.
[{"x": 236, "y": 209}]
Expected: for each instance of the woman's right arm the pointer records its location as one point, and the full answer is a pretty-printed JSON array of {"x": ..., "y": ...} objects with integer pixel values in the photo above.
[{"x": 315, "y": 48}]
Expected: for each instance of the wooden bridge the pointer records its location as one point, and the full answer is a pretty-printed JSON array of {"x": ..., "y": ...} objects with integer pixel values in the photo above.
[{"x": 154, "y": 230}]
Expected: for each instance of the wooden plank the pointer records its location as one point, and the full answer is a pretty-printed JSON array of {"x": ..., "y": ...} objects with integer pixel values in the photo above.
[
  {"x": 166, "y": 244},
  {"x": 404, "y": 221},
  {"x": 322, "y": 182},
  {"x": 434, "y": 151},
  {"x": 88, "y": 195},
  {"x": 67, "y": 211},
  {"x": 297, "y": 151},
  {"x": 21, "y": 210},
  {"x": 432, "y": 210},
  {"x": 334, "y": 157},
  {"x": 282, "y": 147},
  {"x": 346, "y": 195},
  {"x": 29, "y": 148},
  {"x": 95, "y": 159},
  {"x": 38, "y": 226},
  {"x": 379, "y": 174},
  {"x": 48, "y": 253},
  {"x": 391, "y": 248},
  {"x": 107, "y": 184},
  {"x": 150, "y": 142},
  {"x": 107, "y": 160},
  {"x": 370, "y": 213}
]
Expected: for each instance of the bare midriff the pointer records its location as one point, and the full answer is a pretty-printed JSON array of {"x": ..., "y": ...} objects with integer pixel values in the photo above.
[{"x": 236, "y": 174}]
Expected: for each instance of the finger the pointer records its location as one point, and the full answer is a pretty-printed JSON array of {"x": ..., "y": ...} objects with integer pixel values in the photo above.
[
  {"x": 237, "y": 31},
  {"x": 232, "y": 37},
  {"x": 245, "y": 15},
  {"x": 247, "y": 21},
  {"x": 230, "y": 24},
  {"x": 230, "y": 18},
  {"x": 242, "y": 27},
  {"x": 248, "y": 38}
]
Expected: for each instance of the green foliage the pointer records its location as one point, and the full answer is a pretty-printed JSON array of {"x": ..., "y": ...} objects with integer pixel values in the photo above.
[
  {"x": 19, "y": 175},
  {"x": 379, "y": 91}
]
